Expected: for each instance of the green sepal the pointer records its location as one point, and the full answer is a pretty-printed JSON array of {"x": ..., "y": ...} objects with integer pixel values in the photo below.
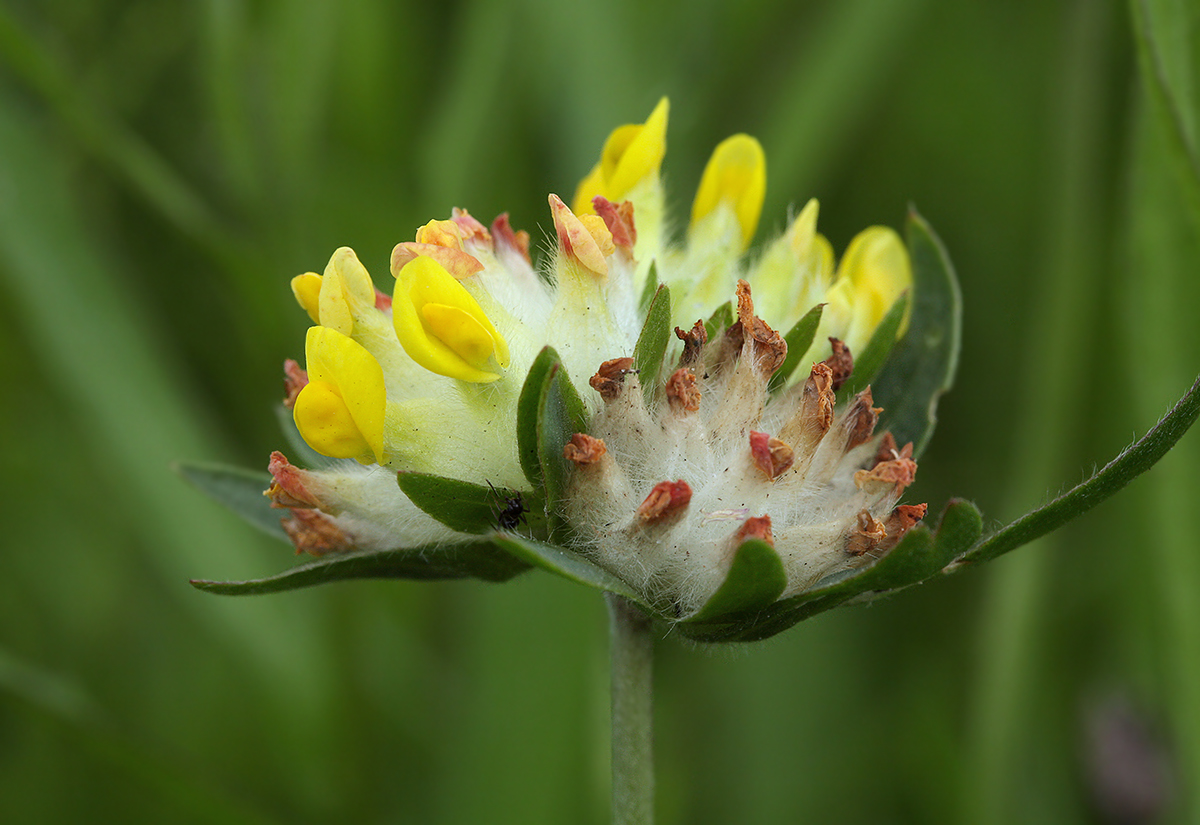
[
  {"x": 651, "y": 345},
  {"x": 756, "y": 578},
  {"x": 561, "y": 414},
  {"x": 649, "y": 288},
  {"x": 481, "y": 560},
  {"x": 238, "y": 489},
  {"x": 461, "y": 505},
  {"x": 799, "y": 340},
  {"x": 720, "y": 320},
  {"x": 923, "y": 362},
  {"x": 868, "y": 363},
  {"x": 566, "y": 563},
  {"x": 528, "y": 404}
]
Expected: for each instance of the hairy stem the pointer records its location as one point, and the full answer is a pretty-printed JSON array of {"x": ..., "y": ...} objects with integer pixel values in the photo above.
[{"x": 632, "y": 655}]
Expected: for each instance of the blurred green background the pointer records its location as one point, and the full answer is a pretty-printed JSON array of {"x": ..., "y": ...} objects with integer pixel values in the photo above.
[{"x": 165, "y": 168}]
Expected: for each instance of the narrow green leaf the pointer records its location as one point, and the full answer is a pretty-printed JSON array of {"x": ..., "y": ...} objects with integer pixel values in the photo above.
[
  {"x": 649, "y": 288},
  {"x": 799, "y": 339},
  {"x": 566, "y": 563},
  {"x": 533, "y": 392},
  {"x": 923, "y": 362},
  {"x": 720, "y": 320},
  {"x": 238, "y": 489},
  {"x": 755, "y": 580},
  {"x": 461, "y": 505},
  {"x": 651, "y": 345},
  {"x": 1123, "y": 469},
  {"x": 868, "y": 363},
  {"x": 481, "y": 560},
  {"x": 561, "y": 414}
]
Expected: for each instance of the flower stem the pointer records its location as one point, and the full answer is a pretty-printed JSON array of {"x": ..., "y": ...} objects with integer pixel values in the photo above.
[{"x": 631, "y": 649}]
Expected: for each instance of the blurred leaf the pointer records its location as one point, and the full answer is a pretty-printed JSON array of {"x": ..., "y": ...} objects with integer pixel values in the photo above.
[
  {"x": 651, "y": 345},
  {"x": 922, "y": 364},
  {"x": 883, "y": 341},
  {"x": 482, "y": 560},
  {"x": 755, "y": 579},
  {"x": 238, "y": 489},
  {"x": 799, "y": 338}
]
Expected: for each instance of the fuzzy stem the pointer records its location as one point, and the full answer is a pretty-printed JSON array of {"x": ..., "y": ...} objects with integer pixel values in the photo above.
[{"x": 632, "y": 654}]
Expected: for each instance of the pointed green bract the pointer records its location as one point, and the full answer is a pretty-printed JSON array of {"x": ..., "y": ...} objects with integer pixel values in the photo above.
[
  {"x": 720, "y": 320},
  {"x": 875, "y": 353},
  {"x": 755, "y": 580},
  {"x": 566, "y": 563},
  {"x": 460, "y": 505},
  {"x": 561, "y": 414},
  {"x": 799, "y": 339},
  {"x": 923, "y": 362},
  {"x": 651, "y": 345},
  {"x": 528, "y": 404},
  {"x": 649, "y": 288},
  {"x": 481, "y": 560},
  {"x": 238, "y": 489}
]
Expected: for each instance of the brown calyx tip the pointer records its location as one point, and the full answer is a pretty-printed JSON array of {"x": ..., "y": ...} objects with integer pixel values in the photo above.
[
  {"x": 618, "y": 217},
  {"x": 770, "y": 455},
  {"x": 693, "y": 343},
  {"x": 503, "y": 233},
  {"x": 818, "y": 401},
  {"x": 866, "y": 535},
  {"x": 841, "y": 363},
  {"x": 767, "y": 346},
  {"x": 288, "y": 485},
  {"x": 682, "y": 393},
  {"x": 295, "y": 378},
  {"x": 583, "y": 449},
  {"x": 888, "y": 452},
  {"x": 609, "y": 380},
  {"x": 902, "y": 519},
  {"x": 899, "y": 471},
  {"x": 758, "y": 527},
  {"x": 315, "y": 533},
  {"x": 861, "y": 419},
  {"x": 668, "y": 498}
]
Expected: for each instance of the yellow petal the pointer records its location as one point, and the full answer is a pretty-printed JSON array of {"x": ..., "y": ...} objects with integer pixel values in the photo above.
[
  {"x": 342, "y": 415},
  {"x": 876, "y": 270},
  {"x": 632, "y": 153},
  {"x": 307, "y": 289},
  {"x": 442, "y": 340},
  {"x": 346, "y": 291},
  {"x": 736, "y": 175}
]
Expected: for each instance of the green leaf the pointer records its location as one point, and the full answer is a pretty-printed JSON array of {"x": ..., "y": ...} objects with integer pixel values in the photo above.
[
  {"x": 460, "y": 505},
  {"x": 238, "y": 489},
  {"x": 875, "y": 353},
  {"x": 649, "y": 288},
  {"x": 1123, "y": 469},
  {"x": 755, "y": 580},
  {"x": 566, "y": 563},
  {"x": 651, "y": 345},
  {"x": 561, "y": 414},
  {"x": 923, "y": 362},
  {"x": 799, "y": 339},
  {"x": 720, "y": 320},
  {"x": 481, "y": 560},
  {"x": 533, "y": 392}
]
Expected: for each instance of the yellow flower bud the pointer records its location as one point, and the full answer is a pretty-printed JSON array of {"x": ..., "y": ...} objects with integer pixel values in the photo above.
[
  {"x": 631, "y": 153},
  {"x": 307, "y": 289},
  {"x": 441, "y": 326},
  {"x": 736, "y": 176},
  {"x": 340, "y": 411}
]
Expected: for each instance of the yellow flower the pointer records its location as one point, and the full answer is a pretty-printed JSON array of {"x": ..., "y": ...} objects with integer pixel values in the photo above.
[{"x": 340, "y": 412}]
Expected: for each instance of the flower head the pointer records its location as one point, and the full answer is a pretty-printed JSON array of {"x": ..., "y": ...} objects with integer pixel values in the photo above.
[{"x": 681, "y": 423}]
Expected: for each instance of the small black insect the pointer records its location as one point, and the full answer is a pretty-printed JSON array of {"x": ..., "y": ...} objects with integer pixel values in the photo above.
[{"x": 511, "y": 511}]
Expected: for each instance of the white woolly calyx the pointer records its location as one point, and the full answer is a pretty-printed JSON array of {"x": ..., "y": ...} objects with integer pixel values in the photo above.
[{"x": 668, "y": 484}]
